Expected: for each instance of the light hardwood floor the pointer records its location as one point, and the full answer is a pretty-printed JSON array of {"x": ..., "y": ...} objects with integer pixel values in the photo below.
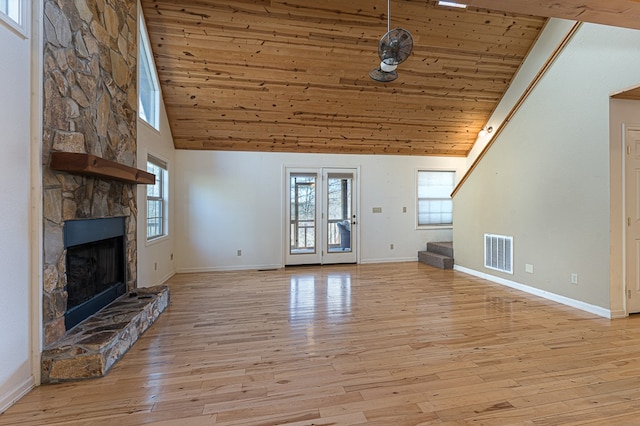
[{"x": 388, "y": 344}]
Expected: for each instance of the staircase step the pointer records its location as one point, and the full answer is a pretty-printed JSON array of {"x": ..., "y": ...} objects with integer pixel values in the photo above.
[
  {"x": 435, "y": 259},
  {"x": 444, "y": 248}
]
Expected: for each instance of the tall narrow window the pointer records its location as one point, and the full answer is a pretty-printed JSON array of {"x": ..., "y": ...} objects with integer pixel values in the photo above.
[
  {"x": 434, "y": 197},
  {"x": 148, "y": 87},
  {"x": 156, "y": 199}
]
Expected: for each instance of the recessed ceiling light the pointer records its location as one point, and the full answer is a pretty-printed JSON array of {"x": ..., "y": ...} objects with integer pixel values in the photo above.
[{"x": 452, "y": 4}]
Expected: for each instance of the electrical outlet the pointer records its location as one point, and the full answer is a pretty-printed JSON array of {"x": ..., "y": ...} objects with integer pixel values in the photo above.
[
  {"x": 391, "y": 246},
  {"x": 404, "y": 210},
  {"x": 239, "y": 252},
  {"x": 528, "y": 268},
  {"x": 574, "y": 278}
]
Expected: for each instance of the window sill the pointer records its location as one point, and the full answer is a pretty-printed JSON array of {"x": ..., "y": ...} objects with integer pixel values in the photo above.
[
  {"x": 156, "y": 240},
  {"x": 20, "y": 30},
  {"x": 149, "y": 125},
  {"x": 432, "y": 227}
]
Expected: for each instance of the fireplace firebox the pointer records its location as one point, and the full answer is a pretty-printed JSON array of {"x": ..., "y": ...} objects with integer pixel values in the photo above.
[{"x": 96, "y": 272}]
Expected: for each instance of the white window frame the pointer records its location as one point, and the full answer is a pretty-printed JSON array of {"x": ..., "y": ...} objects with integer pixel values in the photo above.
[
  {"x": 162, "y": 180},
  {"x": 15, "y": 15},
  {"x": 419, "y": 198},
  {"x": 152, "y": 117}
]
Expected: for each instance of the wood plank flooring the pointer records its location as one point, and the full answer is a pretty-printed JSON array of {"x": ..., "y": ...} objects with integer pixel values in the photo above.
[{"x": 387, "y": 344}]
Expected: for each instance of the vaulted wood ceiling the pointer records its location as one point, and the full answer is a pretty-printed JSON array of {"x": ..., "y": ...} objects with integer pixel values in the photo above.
[{"x": 292, "y": 75}]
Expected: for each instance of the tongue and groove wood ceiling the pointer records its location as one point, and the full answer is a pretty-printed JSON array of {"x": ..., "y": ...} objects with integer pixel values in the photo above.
[{"x": 293, "y": 76}]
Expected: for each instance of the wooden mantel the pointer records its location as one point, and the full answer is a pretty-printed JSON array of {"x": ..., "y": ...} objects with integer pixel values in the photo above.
[{"x": 91, "y": 165}]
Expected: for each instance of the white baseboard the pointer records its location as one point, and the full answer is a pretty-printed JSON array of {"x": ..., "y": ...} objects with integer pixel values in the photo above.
[
  {"x": 597, "y": 310},
  {"x": 618, "y": 314},
  {"x": 226, "y": 268},
  {"x": 165, "y": 278},
  {"x": 161, "y": 281},
  {"x": 21, "y": 390},
  {"x": 390, "y": 260}
]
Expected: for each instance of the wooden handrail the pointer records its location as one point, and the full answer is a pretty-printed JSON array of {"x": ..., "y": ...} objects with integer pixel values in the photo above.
[{"x": 518, "y": 104}]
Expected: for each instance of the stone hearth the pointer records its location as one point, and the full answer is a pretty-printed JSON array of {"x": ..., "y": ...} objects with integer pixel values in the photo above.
[{"x": 93, "y": 346}]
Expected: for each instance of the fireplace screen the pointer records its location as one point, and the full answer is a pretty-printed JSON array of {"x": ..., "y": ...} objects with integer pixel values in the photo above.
[{"x": 95, "y": 266}]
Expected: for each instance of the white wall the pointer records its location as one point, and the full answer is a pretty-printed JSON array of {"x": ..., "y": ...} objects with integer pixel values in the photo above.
[
  {"x": 15, "y": 175},
  {"x": 554, "y": 31},
  {"x": 229, "y": 201},
  {"x": 545, "y": 181},
  {"x": 155, "y": 258}
]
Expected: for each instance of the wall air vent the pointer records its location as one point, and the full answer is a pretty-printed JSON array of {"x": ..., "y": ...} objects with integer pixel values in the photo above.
[{"x": 498, "y": 253}]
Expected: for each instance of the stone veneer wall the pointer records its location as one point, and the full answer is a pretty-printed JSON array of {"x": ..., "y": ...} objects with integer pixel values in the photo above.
[{"x": 90, "y": 106}]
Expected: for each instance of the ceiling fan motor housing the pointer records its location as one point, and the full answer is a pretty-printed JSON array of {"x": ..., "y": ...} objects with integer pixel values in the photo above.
[{"x": 394, "y": 48}]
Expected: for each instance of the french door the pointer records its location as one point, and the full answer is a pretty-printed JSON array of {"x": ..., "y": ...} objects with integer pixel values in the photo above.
[{"x": 321, "y": 217}]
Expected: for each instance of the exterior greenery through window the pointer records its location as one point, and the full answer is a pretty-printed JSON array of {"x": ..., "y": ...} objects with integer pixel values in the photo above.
[
  {"x": 148, "y": 87},
  {"x": 156, "y": 199},
  {"x": 303, "y": 212},
  {"x": 434, "y": 197}
]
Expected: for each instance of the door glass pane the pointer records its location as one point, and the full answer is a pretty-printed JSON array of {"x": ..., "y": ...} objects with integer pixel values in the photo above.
[
  {"x": 303, "y": 213},
  {"x": 339, "y": 212}
]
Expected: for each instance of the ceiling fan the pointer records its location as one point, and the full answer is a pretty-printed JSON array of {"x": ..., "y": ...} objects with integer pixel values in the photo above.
[{"x": 393, "y": 49}]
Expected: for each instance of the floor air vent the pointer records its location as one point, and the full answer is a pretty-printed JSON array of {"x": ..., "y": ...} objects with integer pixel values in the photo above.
[{"x": 498, "y": 253}]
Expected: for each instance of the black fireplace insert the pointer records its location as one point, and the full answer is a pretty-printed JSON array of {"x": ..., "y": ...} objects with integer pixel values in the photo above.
[{"x": 96, "y": 265}]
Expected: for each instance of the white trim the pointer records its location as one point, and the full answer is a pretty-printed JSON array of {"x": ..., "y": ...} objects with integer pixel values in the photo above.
[
  {"x": 618, "y": 314},
  {"x": 226, "y": 268},
  {"x": 391, "y": 260},
  {"x": 36, "y": 215},
  {"x": 155, "y": 240},
  {"x": 145, "y": 43},
  {"x": 623, "y": 210},
  {"x": 163, "y": 279},
  {"x": 597, "y": 310},
  {"x": 623, "y": 150},
  {"x": 356, "y": 200},
  {"x": 20, "y": 391},
  {"x": 165, "y": 197},
  {"x": 417, "y": 171},
  {"x": 145, "y": 123},
  {"x": 20, "y": 28},
  {"x": 433, "y": 227}
]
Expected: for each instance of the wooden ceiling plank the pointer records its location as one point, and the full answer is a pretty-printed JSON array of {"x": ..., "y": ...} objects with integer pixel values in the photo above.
[
  {"x": 622, "y": 13},
  {"x": 297, "y": 73}
]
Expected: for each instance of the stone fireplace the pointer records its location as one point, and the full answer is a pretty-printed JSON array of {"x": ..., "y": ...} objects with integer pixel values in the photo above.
[
  {"x": 90, "y": 104},
  {"x": 90, "y": 108}
]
